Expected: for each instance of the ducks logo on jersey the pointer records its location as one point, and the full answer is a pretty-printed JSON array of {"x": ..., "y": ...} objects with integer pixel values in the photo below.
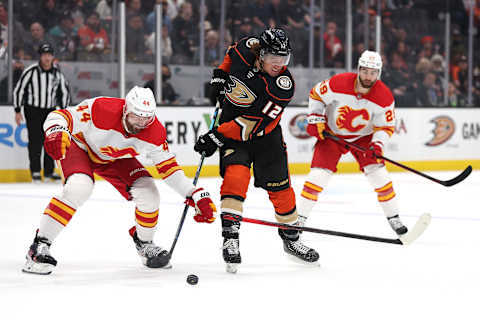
[{"x": 238, "y": 93}]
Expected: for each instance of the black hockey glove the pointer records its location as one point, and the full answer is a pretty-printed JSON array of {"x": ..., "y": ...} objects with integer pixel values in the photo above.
[
  {"x": 209, "y": 142},
  {"x": 217, "y": 85}
]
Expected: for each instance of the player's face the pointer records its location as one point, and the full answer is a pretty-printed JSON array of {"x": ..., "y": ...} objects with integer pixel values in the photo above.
[
  {"x": 273, "y": 64},
  {"x": 135, "y": 123},
  {"x": 367, "y": 76}
]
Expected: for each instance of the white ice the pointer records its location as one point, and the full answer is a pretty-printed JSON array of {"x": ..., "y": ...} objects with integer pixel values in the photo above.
[{"x": 99, "y": 274}]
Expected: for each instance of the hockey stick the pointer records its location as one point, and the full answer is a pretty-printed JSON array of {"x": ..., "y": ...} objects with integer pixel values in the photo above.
[
  {"x": 447, "y": 183},
  {"x": 195, "y": 179},
  {"x": 406, "y": 239}
]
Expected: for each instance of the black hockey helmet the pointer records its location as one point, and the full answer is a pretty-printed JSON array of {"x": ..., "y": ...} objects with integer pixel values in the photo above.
[
  {"x": 46, "y": 48},
  {"x": 275, "y": 41}
]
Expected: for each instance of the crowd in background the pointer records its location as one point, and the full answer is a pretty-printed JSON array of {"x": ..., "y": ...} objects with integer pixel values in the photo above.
[{"x": 413, "y": 33}]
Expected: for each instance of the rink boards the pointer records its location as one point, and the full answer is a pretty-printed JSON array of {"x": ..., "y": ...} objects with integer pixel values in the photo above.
[{"x": 425, "y": 138}]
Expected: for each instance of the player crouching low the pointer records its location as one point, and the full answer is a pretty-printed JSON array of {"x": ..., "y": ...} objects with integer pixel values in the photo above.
[{"x": 104, "y": 136}]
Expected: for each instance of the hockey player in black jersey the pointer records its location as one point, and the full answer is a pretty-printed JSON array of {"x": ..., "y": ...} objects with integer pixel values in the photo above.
[{"x": 253, "y": 86}]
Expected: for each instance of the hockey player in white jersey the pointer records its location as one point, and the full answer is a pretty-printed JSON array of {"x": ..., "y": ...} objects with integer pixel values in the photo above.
[
  {"x": 104, "y": 136},
  {"x": 359, "y": 108}
]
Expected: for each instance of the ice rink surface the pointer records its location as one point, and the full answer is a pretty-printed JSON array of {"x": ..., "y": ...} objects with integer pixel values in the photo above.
[{"x": 99, "y": 274}]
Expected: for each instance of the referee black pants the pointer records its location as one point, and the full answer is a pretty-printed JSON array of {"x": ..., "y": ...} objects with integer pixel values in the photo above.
[{"x": 34, "y": 118}]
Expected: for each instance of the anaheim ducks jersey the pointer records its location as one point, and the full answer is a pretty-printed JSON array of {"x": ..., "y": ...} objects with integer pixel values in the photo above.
[
  {"x": 96, "y": 126},
  {"x": 351, "y": 115},
  {"x": 254, "y": 101}
]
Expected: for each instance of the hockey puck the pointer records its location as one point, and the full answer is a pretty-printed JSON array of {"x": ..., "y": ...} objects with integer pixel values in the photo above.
[{"x": 192, "y": 279}]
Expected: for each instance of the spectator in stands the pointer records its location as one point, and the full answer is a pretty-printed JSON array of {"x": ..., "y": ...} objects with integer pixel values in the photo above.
[
  {"x": 166, "y": 21},
  {"x": 165, "y": 44},
  {"x": 66, "y": 38},
  {"x": 94, "y": 41},
  {"x": 454, "y": 97},
  {"x": 438, "y": 67},
  {"x": 104, "y": 10},
  {"x": 295, "y": 27},
  {"x": 169, "y": 96},
  {"x": 83, "y": 6},
  {"x": 244, "y": 29},
  {"x": 184, "y": 32},
  {"x": 460, "y": 74},
  {"x": 34, "y": 40},
  {"x": 212, "y": 47},
  {"x": 136, "y": 49},
  {"x": 134, "y": 7},
  {"x": 399, "y": 82},
  {"x": 262, "y": 16},
  {"x": 333, "y": 47},
  {"x": 18, "y": 31},
  {"x": 422, "y": 67},
  {"x": 428, "y": 94},
  {"x": 49, "y": 13},
  {"x": 426, "y": 49}
]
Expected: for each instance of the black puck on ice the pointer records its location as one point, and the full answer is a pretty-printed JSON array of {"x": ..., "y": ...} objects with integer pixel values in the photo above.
[{"x": 192, "y": 279}]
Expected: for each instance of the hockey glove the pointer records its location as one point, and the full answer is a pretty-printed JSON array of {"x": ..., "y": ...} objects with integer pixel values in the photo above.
[
  {"x": 204, "y": 207},
  {"x": 316, "y": 125},
  {"x": 374, "y": 151},
  {"x": 217, "y": 85},
  {"x": 209, "y": 142},
  {"x": 57, "y": 141}
]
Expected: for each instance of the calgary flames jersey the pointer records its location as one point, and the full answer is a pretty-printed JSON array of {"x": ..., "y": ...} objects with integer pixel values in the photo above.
[
  {"x": 96, "y": 126},
  {"x": 350, "y": 114},
  {"x": 254, "y": 101}
]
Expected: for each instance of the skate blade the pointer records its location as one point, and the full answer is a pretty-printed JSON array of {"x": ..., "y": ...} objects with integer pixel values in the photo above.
[
  {"x": 231, "y": 267},
  {"x": 300, "y": 261},
  {"x": 37, "y": 268}
]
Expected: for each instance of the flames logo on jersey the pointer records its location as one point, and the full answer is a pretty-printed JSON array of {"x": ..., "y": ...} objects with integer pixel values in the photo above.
[
  {"x": 118, "y": 153},
  {"x": 444, "y": 129},
  {"x": 346, "y": 117},
  {"x": 238, "y": 93}
]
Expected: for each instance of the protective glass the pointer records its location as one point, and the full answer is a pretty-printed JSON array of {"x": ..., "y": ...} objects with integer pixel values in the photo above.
[{"x": 276, "y": 59}]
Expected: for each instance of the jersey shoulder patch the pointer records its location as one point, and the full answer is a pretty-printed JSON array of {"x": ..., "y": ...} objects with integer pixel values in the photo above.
[
  {"x": 284, "y": 82},
  {"x": 281, "y": 87}
]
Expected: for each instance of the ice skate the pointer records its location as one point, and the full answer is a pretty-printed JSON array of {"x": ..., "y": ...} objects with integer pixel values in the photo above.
[
  {"x": 152, "y": 255},
  {"x": 295, "y": 248},
  {"x": 36, "y": 178},
  {"x": 39, "y": 260},
  {"x": 53, "y": 178},
  {"x": 231, "y": 245},
  {"x": 397, "y": 225}
]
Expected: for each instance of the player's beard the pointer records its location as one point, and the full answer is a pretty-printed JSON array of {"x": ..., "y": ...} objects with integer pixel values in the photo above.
[{"x": 365, "y": 85}]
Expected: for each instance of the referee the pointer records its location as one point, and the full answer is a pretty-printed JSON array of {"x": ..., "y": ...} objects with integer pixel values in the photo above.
[{"x": 41, "y": 89}]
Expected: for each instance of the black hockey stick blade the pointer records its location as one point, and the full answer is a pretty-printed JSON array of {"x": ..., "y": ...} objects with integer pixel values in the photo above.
[{"x": 462, "y": 176}]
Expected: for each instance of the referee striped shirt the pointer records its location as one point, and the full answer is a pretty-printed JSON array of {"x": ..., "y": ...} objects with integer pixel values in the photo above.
[{"x": 41, "y": 88}]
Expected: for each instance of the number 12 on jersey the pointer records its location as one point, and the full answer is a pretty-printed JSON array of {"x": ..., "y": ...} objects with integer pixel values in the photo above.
[{"x": 272, "y": 110}]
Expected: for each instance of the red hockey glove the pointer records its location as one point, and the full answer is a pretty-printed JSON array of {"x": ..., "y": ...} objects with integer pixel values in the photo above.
[
  {"x": 316, "y": 125},
  {"x": 374, "y": 151},
  {"x": 204, "y": 207},
  {"x": 57, "y": 141}
]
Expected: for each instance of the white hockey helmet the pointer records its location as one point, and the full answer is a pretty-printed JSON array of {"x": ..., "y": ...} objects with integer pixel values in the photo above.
[
  {"x": 371, "y": 59},
  {"x": 140, "y": 102}
]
